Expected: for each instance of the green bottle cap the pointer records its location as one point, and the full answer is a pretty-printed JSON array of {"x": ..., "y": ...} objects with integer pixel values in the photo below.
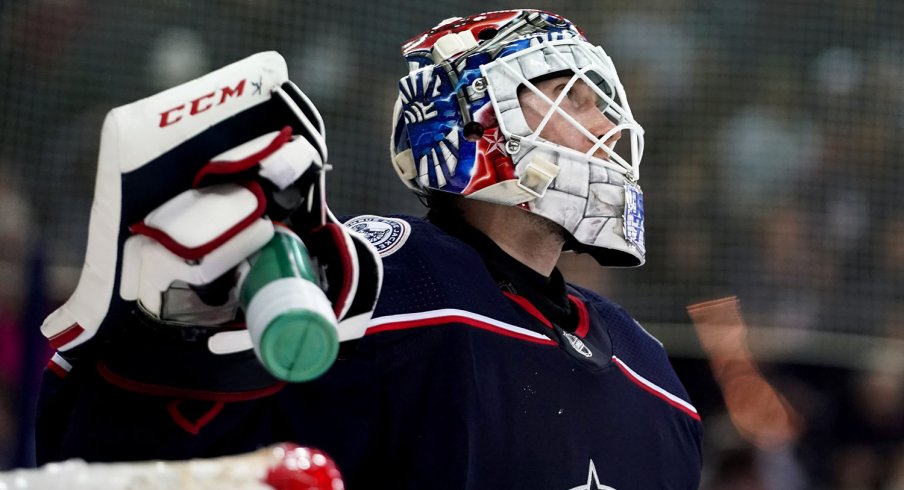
[{"x": 299, "y": 345}]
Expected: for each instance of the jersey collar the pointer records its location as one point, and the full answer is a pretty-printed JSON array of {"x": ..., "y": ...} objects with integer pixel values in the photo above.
[{"x": 547, "y": 294}]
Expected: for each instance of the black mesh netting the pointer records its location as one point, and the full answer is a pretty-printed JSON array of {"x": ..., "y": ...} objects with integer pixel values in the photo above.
[
  {"x": 773, "y": 136},
  {"x": 771, "y": 129}
]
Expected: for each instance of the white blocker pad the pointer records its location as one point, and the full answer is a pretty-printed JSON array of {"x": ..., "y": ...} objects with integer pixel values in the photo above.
[
  {"x": 360, "y": 306},
  {"x": 151, "y": 151},
  {"x": 351, "y": 270},
  {"x": 195, "y": 238},
  {"x": 278, "y": 156},
  {"x": 351, "y": 267}
]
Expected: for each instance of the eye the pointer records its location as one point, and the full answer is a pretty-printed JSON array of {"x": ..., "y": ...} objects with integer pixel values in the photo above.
[
  {"x": 602, "y": 104},
  {"x": 582, "y": 95},
  {"x": 605, "y": 87},
  {"x": 578, "y": 98}
]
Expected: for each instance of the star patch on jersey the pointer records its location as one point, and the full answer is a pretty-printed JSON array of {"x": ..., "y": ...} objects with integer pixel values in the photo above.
[
  {"x": 387, "y": 235},
  {"x": 594, "y": 480}
]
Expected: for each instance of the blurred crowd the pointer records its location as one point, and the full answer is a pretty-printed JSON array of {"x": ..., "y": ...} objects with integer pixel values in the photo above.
[{"x": 771, "y": 172}]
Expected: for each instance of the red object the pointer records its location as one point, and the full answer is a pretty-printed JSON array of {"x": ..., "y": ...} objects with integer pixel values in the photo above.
[
  {"x": 492, "y": 163},
  {"x": 196, "y": 253},
  {"x": 301, "y": 468},
  {"x": 474, "y": 23}
]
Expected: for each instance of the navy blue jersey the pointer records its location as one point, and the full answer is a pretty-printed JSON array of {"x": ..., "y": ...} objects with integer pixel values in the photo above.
[
  {"x": 457, "y": 384},
  {"x": 472, "y": 387}
]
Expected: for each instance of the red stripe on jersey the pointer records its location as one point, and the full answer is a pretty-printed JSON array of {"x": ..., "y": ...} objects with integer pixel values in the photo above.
[
  {"x": 66, "y": 336},
  {"x": 583, "y": 317},
  {"x": 444, "y": 319},
  {"x": 187, "y": 425},
  {"x": 173, "y": 392},
  {"x": 528, "y": 307},
  {"x": 656, "y": 391}
]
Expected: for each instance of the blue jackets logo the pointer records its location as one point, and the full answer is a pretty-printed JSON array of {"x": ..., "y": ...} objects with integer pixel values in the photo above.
[{"x": 387, "y": 235}]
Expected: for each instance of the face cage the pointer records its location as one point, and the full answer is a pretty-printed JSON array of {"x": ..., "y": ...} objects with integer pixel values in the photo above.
[{"x": 561, "y": 55}]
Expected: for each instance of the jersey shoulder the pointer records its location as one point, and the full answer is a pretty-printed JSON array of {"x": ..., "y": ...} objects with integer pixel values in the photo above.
[
  {"x": 618, "y": 319},
  {"x": 633, "y": 346},
  {"x": 424, "y": 268}
]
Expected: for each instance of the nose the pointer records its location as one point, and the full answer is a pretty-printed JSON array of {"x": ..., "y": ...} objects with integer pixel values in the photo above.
[{"x": 602, "y": 128}]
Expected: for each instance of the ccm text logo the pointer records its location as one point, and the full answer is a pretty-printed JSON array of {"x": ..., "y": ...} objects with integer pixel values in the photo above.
[{"x": 200, "y": 104}]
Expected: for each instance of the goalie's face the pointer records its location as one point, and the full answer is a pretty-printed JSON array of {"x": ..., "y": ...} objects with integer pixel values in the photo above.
[{"x": 577, "y": 100}]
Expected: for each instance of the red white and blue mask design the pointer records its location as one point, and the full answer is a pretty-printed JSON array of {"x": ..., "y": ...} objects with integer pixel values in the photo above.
[{"x": 460, "y": 127}]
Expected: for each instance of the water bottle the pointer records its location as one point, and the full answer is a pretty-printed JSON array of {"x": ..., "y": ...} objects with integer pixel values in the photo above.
[{"x": 291, "y": 322}]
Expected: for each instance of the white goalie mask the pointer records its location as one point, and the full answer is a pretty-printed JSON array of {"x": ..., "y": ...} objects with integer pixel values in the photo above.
[
  {"x": 555, "y": 157},
  {"x": 585, "y": 185}
]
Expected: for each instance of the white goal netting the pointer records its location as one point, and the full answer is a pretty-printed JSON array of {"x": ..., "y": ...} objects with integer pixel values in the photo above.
[{"x": 282, "y": 467}]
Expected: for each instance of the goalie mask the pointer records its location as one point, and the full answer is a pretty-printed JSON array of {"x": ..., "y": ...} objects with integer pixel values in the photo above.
[{"x": 460, "y": 127}]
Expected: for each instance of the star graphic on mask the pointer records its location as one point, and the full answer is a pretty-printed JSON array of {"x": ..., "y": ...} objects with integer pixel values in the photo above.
[
  {"x": 493, "y": 141},
  {"x": 593, "y": 481}
]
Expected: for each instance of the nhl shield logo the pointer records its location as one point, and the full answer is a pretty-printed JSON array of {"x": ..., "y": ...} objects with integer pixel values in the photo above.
[{"x": 387, "y": 235}]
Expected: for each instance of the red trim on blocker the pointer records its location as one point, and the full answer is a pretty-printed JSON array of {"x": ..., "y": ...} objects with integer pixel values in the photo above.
[
  {"x": 59, "y": 340},
  {"x": 195, "y": 253},
  {"x": 193, "y": 427},
  {"x": 338, "y": 235},
  {"x": 57, "y": 369},
  {"x": 583, "y": 316},
  {"x": 173, "y": 392},
  {"x": 655, "y": 390},
  {"x": 214, "y": 167},
  {"x": 280, "y": 224},
  {"x": 441, "y": 319}
]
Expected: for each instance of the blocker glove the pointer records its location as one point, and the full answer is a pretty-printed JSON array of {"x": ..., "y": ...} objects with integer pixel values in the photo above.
[{"x": 189, "y": 184}]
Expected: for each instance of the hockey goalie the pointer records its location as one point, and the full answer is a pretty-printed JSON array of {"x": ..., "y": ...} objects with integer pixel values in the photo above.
[{"x": 223, "y": 308}]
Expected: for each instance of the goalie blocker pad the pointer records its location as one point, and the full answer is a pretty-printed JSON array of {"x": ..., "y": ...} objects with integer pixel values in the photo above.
[
  {"x": 351, "y": 268},
  {"x": 151, "y": 151},
  {"x": 194, "y": 238}
]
